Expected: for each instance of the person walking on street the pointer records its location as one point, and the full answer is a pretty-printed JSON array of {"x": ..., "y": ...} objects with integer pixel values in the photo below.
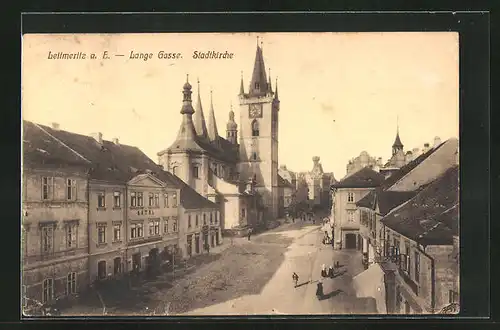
[
  {"x": 330, "y": 272},
  {"x": 295, "y": 278},
  {"x": 249, "y": 233},
  {"x": 319, "y": 290},
  {"x": 323, "y": 271}
]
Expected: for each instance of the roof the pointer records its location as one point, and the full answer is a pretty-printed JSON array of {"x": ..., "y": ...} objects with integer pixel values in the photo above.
[
  {"x": 364, "y": 178},
  {"x": 386, "y": 200},
  {"x": 397, "y": 141},
  {"x": 284, "y": 183},
  {"x": 404, "y": 170},
  {"x": 116, "y": 163},
  {"x": 259, "y": 83},
  {"x": 43, "y": 151},
  {"x": 431, "y": 217}
]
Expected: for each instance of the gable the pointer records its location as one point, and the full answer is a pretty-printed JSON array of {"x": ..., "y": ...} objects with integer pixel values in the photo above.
[{"x": 146, "y": 180}]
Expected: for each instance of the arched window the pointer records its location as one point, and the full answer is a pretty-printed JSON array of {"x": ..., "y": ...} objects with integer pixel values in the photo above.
[
  {"x": 174, "y": 170},
  {"x": 255, "y": 128},
  {"x": 254, "y": 156}
]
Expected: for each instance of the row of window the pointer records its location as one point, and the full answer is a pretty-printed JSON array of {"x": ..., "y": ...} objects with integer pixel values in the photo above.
[
  {"x": 213, "y": 219},
  {"x": 136, "y": 230},
  {"x": 47, "y": 241},
  {"x": 48, "y": 188},
  {"x": 215, "y": 169},
  {"x": 404, "y": 259},
  {"x": 137, "y": 199}
]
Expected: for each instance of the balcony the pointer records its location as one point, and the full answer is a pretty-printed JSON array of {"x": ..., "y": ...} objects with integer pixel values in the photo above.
[{"x": 137, "y": 241}]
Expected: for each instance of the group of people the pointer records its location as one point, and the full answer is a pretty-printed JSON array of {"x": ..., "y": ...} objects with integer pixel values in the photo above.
[{"x": 325, "y": 273}]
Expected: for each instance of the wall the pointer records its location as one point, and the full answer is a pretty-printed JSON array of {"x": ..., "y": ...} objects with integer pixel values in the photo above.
[{"x": 60, "y": 212}]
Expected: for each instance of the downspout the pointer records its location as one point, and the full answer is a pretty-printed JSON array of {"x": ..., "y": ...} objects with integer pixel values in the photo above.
[
  {"x": 433, "y": 282},
  {"x": 125, "y": 227}
]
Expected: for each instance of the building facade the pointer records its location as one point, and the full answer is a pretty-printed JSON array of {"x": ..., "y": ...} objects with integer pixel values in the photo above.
[{"x": 344, "y": 214}]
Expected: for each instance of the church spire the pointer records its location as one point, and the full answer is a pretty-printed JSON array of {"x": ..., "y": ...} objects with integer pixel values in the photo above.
[
  {"x": 397, "y": 145},
  {"x": 199, "y": 117},
  {"x": 242, "y": 90},
  {"x": 212, "y": 124},
  {"x": 258, "y": 84},
  {"x": 269, "y": 86},
  {"x": 276, "y": 91},
  {"x": 231, "y": 127}
]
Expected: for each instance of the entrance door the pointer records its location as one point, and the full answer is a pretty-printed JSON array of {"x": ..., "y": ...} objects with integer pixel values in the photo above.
[
  {"x": 197, "y": 243},
  {"x": 101, "y": 269},
  {"x": 117, "y": 265},
  {"x": 190, "y": 245},
  {"x": 212, "y": 238},
  {"x": 154, "y": 260},
  {"x": 217, "y": 237},
  {"x": 136, "y": 262},
  {"x": 350, "y": 241}
]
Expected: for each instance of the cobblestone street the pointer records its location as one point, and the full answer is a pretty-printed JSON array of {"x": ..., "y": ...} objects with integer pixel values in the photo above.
[{"x": 242, "y": 277}]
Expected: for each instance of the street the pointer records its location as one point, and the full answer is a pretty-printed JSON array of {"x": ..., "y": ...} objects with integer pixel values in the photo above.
[{"x": 245, "y": 278}]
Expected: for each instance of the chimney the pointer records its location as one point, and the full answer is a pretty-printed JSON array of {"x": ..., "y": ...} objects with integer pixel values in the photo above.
[
  {"x": 116, "y": 141},
  {"x": 426, "y": 148},
  {"x": 55, "y": 126},
  {"x": 97, "y": 136},
  {"x": 437, "y": 141}
]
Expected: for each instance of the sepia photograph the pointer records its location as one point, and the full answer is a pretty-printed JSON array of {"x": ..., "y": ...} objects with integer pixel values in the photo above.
[{"x": 239, "y": 174}]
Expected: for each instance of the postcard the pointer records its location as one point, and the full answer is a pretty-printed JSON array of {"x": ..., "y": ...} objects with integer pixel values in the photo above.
[{"x": 168, "y": 174}]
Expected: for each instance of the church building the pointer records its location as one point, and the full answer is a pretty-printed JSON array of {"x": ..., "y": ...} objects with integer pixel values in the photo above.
[{"x": 240, "y": 175}]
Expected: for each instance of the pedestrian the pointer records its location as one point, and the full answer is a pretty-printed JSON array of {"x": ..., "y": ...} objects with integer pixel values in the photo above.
[
  {"x": 319, "y": 290},
  {"x": 295, "y": 278},
  {"x": 249, "y": 233},
  {"x": 337, "y": 264},
  {"x": 330, "y": 272},
  {"x": 323, "y": 271}
]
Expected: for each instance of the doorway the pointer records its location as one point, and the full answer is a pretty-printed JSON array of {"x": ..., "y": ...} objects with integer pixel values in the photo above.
[
  {"x": 190, "y": 245},
  {"x": 350, "y": 241},
  {"x": 153, "y": 260},
  {"x": 197, "y": 243},
  {"x": 212, "y": 239},
  {"x": 117, "y": 265},
  {"x": 136, "y": 262},
  {"x": 101, "y": 269}
]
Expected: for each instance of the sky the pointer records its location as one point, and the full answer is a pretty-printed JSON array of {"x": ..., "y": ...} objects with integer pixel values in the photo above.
[{"x": 340, "y": 93}]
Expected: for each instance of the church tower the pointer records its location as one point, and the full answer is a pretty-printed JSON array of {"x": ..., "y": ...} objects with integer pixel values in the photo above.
[
  {"x": 259, "y": 135},
  {"x": 397, "y": 145}
]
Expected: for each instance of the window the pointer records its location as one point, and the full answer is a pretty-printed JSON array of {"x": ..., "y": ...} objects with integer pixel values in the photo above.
[
  {"x": 350, "y": 197},
  {"x": 48, "y": 290},
  {"x": 255, "y": 128},
  {"x": 47, "y": 239},
  {"x": 117, "y": 232},
  {"x": 151, "y": 199},
  {"x": 24, "y": 297},
  {"x": 211, "y": 219},
  {"x": 117, "y": 265},
  {"x": 133, "y": 199},
  {"x": 174, "y": 225},
  {"x": 408, "y": 256},
  {"x": 165, "y": 226},
  {"x": 243, "y": 213},
  {"x": 204, "y": 219},
  {"x": 116, "y": 199},
  {"x": 165, "y": 199},
  {"x": 174, "y": 200},
  {"x": 154, "y": 228},
  {"x": 196, "y": 220},
  {"x": 257, "y": 85},
  {"x": 47, "y": 187},
  {"x": 189, "y": 221},
  {"x": 140, "y": 200},
  {"x": 216, "y": 216},
  {"x": 453, "y": 297},
  {"x": 71, "y": 236},
  {"x": 71, "y": 283},
  {"x": 101, "y": 233},
  {"x": 417, "y": 267},
  {"x": 215, "y": 169},
  {"x": 254, "y": 156},
  {"x": 136, "y": 230},
  {"x": 195, "y": 172},
  {"x": 157, "y": 200},
  {"x": 70, "y": 189},
  {"x": 101, "y": 199},
  {"x": 350, "y": 216},
  {"x": 174, "y": 170}
]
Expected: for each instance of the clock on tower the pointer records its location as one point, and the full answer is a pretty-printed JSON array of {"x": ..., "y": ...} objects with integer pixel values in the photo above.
[{"x": 255, "y": 110}]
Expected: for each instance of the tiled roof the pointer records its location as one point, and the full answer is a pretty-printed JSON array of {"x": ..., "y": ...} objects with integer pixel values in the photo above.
[
  {"x": 364, "y": 178},
  {"x": 387, "y": 200},
  {"x": 403, "y": 171},
  {"x": 431, "y": 217},
  {"x": 41, "y": 150},
  {"x": 116, "y": 163}
]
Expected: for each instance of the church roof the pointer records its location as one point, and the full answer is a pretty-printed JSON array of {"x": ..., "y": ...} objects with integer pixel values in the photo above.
[
  {"x": 199, "y": 117},
  {"x": 110, "y": 162},
  {"x": 284, "y": 183},
  {"x": 258, "y": 84},
  {"x": 364, "y": 178},
  {"x": 212, "y": 123},
  {"x": 397, "y": 141}
]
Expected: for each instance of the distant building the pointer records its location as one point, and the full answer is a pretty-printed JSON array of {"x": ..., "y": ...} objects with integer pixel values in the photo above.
[
  {"x": 362, "y": 161},
  {"x": 314, "y": 186},
  {"x": 344, "y": 215}
]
